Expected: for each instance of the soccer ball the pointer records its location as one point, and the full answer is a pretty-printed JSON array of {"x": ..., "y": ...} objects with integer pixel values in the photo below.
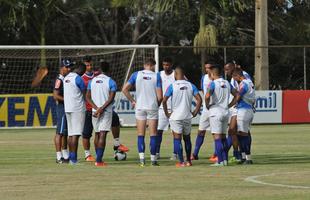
[{"x": 120, "y": 155}]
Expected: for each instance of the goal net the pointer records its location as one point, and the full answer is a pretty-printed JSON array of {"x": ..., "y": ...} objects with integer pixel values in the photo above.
[{"x": 20, "y": 64}]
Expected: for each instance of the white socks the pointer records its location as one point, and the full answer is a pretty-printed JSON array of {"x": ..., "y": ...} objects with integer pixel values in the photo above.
[
  {"x": 117, "y": 142},
  {"x": 87, "y": 153},
  {"x": 65, "y": 154},
  {"x": 141, "y": 156},
  {"x": 58, "y": 155}
]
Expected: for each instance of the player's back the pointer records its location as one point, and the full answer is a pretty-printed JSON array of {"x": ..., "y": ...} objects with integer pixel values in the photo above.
[
  {"x": 100, "y": 87},
  {"x": 220, "y": 93},
  {"x": 73, "y": 95},
  {"x": 146, "y": 82},
  {"x": 182, "y": 93},
  {"x": 247, "y": 92}
]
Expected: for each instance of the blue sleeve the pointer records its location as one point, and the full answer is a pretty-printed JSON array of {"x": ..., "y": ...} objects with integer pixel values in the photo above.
[
  {"x": 201, "y": 82},
  {"x": 195, "y": 90},
  {"x": 243, "y": 89},
  {"x": 112, "y": 85},
  {"x": 158, "y": 82},
  {"x": 246, "y": 75},
  {"x": 231, "y": 87},
  {"x": 211, "y": 87},
  {"x": 80, "y": 83},
  {"x": 133, "y": 78},
  {"x": 169, "y": 91},
  {"x": 89, "y": 85}
]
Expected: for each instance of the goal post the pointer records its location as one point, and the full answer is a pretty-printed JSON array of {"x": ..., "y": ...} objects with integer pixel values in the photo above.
[{"x": 20, "y": 65}]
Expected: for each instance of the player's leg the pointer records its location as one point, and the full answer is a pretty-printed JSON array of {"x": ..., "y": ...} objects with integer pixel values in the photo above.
[
  {"x": 57, "y": 142},
  {"x": 177, "y": 129},
  {"x": 203, "y": 125},
  {"x": 65, "y": 152},
  {"x": 244, "y": 120},
  {"x": 141, "y": 126},
  {"x": 232, "y": 140},
  {"x": 163, "y": 124},
  {"x": 152, "y": 117},
  {"x": 87, "y": 134},
  {"x": 187, "y": 124},
  {"x": 116, "y": 133},
  {"x": 59, "y": 129},
  {"x": 102, "y": 136}
]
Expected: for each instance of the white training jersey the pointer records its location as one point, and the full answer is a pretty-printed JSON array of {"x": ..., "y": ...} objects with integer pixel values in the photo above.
[
  {"x": 146, "y": 83},
  {"x": 100, "y": 88},
  {"x": 247, "y": 93},
  {"x": 181, "y": 93},
  {"x": 220, "y": 90},
  {"x": 235, "y": 83},
  {"x": 205, "y": 81},
  {"x": 73, "y": 93},
  {"x": 167, "y": 80}
]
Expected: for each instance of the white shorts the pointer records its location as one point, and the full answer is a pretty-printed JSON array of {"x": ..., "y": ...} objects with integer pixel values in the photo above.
[
  {"x": 146, "y": 114},
  {"x": 232, "y": 112},
  {"x": 75, "y": 122},
  {"x": 219, "y": 121},
  {"x": 244, "y": 119},
  {"x": 103, "y": 123},
  {"x": 204, "y": 121},
  {"x": 181, "y": 126},
  {"x": 163, "y": 120}
]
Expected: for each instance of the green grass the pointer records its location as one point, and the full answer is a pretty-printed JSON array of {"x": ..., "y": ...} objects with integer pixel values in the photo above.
[{"x": 28, "y": 169}]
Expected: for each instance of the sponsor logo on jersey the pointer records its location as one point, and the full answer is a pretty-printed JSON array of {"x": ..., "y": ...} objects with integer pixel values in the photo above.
[
  {"x": 183, "y": 88},
  {"x": 67, "y": 81},
  {"x": 147, "y": 78},
  {"x": 99, "y": 81}
]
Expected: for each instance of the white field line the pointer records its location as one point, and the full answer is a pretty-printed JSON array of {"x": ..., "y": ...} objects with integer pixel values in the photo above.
[{"x": 253, "y": 179}]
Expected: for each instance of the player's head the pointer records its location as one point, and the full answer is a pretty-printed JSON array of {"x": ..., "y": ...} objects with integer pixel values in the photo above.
[
  {"x": 65, "y": 66},
  {"x": 79, "y": 68},
  {"x": 238, "y": 74},
  {"x": 104, "y": 66},
  {"x": 167, "y": 64},
  {"x": 215, "y": 71},
  {"x": 150, "y": 64},
  {"x": 179, "y": 73},
  {"x": 229, "y": 68},
  {"x": 207, "y": 66},
  {"x": 88, "y": 63}
]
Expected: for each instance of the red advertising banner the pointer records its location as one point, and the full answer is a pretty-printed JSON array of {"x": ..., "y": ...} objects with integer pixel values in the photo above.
[{"x": 296, "y": 106}]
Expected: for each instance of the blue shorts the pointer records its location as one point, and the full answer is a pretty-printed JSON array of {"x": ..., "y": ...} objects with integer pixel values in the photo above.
[
  {"x": 88, "y": 125},
  {"x": 61, "y": 120}
]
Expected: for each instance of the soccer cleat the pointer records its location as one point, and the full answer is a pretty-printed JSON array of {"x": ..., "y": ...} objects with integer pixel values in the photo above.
[
  {"x": 122, "y": 148},
  {"x": 213, "y": 159},
  {"x": 221, "y": 164},
  {"x": 154, "y": 163},
  {"x": 60, "y": 161},
  {"x": 248, "y": 162},
  {"x": 180, "y": 164},
  {"x": 194, "y": 157},
  {"x": 100, "y": 164},
  {"x": 90, "y": 158},
  {"x": 142, "y": 163},
  {"x": 65, "y": 160},
  {"x": 189, "y": 164},
  {"x": 174, "y": 157},
  {"x": 234, "y": 161}
]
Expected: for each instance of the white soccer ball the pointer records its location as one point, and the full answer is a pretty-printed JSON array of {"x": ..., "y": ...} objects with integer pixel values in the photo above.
[{"x": 120, "y": 155}]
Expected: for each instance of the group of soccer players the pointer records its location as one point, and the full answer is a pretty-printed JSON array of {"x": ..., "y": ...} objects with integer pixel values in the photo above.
[
  {"x": 162, "y": 99},
  {"x": 84, "y": 96}
]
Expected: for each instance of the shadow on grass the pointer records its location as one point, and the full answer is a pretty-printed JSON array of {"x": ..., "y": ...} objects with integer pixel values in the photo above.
[{"x": 281, "y": 159}]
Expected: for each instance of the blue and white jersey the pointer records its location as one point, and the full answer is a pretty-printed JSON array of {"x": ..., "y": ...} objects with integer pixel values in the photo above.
[
  {"x": 220, "y": 90},
  {"x": 205, "y": 81},
  {"x": 247, "y": 93},
  {"x": 100, "y": 88},
  {"x": 181, "y": 93},
  {"x": 235, "y": 84},
  {"x": 73, "y": 93},
  {"x": 146, "y": 83},
  {"x": 167, "y": 80}
]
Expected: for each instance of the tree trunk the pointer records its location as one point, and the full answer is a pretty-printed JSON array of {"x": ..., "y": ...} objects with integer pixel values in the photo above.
[
  {"x": 136, "y": 32},
  {"x": 202, "y": 25},
  {"x": 261, "y": 39},
  {"x": 42, "y": 43}
]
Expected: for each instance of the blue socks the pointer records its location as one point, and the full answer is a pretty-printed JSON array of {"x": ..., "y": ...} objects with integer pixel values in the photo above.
[
  {"x": 141, "y": 144},
  {"x": 229, "y": 142},
  {"x": 199, "y": 142},
  {"x": 99, "y": 153},
  {"x": 153, "y": 144},
  {"x": 219, "y": 150},
  {"x": 179, "y": 149},
  {"x": 159, "y": 140},
  {"x": 188, "y": 147},
  {"x": 225, "y": 149},
  {"x": 73, "y": 157}
]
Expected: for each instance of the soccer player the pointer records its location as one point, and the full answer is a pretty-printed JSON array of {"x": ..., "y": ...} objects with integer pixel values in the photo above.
[
  {"x": 167, "y": 77},
  {"x": 217, "y": 101},
  {"x": 101, "y": 91},
  {"x": 245, "y": 103},
  {"x": 204, "y": 123},
  {"x": 180, "y": 115},
  {"x": 60, "y": 140},
  {"x": 74, "y": 92},
  {"x": 232, "y": 139},
  {"x": 148, "y": 98},
  {"x": 88, "y": 126}
]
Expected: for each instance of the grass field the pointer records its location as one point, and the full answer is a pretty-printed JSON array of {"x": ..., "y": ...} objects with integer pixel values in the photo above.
[{"x": 281, "y": 155}]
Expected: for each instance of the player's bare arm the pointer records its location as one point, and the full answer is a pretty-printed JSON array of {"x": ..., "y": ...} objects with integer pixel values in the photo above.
[
  {"x": 165, "y": 99},
  {"x": 198, "y": 104},
  {"x": 57, "y": 96},
  {"x": 207, "y": 100},
  {"x": 90, "y": 101},
  {"x": 159, "y": 93},
  {"x": 236, "y": 98},
  {"x": 106, "y": 104},
  {"x": 126, "y": 92}
]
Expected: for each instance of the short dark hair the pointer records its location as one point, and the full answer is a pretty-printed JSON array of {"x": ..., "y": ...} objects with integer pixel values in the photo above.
[
  {"x": 150, "y": 61},
  {"x": 80, "y": 68},
  {"x": 210, "y": 61},
  {"x": 105, "y": 66},
  {"x": 87, "y": 58},
  {"x": 238, "y": 71},
  {"x": 168, "y": 60},
  {"x": 217, "y": 68}
]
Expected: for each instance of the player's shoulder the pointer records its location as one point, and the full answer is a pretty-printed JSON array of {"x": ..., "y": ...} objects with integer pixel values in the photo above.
[{"x": 60, "y": 77}]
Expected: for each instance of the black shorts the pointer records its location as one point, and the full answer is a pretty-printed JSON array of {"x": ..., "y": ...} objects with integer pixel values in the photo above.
[
  {"x": 88, "y": 126},
  {"x": 115, "y": 119},
  {"x": 61, "y": 120}
]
